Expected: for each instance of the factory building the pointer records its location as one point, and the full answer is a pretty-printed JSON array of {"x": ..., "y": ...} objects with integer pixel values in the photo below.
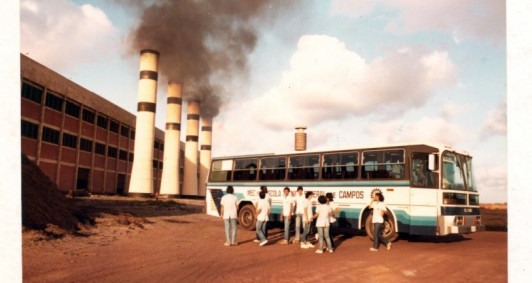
[{"x": 79, "y": 139}]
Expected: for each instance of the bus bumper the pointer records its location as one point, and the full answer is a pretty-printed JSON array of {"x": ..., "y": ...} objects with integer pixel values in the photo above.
[
  {"x": 465, "y": 229},
  {"x": 460, "y": 224}
]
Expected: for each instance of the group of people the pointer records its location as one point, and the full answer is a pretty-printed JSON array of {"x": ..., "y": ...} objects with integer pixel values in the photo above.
[{"x": 299, "y": 207}]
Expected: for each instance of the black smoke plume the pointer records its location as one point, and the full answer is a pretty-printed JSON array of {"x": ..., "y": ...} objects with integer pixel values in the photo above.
[{"x": 203, "y": 43}]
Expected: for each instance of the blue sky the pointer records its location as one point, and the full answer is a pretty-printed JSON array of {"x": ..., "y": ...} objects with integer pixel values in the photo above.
[{"x": 354, "y": 72}]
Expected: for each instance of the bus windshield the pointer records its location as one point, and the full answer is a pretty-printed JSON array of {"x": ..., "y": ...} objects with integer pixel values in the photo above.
[{"x": 458, "y": 172}]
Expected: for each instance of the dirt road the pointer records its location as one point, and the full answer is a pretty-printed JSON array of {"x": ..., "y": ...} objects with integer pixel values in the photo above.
[{"x": 187, "y": 246}]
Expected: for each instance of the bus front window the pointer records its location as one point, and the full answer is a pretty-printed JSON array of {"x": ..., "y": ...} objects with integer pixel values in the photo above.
[
  {"x": 469, "y": 173},
  {"x": 453, "y": 178}
]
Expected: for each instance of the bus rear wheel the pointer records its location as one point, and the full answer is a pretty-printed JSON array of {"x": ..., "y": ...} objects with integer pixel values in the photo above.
[
  {"x": 389, "y": 232},
  {"x": 246, "y": 217}
]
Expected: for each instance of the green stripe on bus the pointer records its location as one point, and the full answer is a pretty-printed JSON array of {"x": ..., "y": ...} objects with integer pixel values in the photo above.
[{"x": 405, "y": 218}]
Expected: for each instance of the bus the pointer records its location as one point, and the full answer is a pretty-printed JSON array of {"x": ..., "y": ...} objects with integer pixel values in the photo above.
[{"x": 429, "y": 189}]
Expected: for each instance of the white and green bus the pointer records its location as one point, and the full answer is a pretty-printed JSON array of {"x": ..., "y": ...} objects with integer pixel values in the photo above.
[{"x": 428, "y": 189}]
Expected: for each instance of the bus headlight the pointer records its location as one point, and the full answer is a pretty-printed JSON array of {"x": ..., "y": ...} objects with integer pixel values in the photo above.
[
  {"x": 459, "y": 220},
  {"x": 478, "y": 220}
]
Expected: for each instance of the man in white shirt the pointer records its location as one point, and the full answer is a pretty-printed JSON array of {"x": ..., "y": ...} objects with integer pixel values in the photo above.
[
  {"x": 379, "y": 208},
  {"x": 286, "y": 214},
  {"x": 300, "y": 203},
  {"x": 335, "y": 210},
  {"x": 268, "y": 198},
  {"x": 307, "y": 220},
  {"x": 229, "y": 214},
  {"x": 263, "y": 212}
]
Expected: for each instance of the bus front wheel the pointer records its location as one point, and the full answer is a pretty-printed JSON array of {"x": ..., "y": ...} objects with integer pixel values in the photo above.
[
  {"x": 389, "y": 231},
  {"x": 246, "y": 217}
]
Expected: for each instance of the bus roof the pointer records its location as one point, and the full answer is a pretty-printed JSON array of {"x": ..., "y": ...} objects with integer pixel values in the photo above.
[{"x": 440, "y": 147}]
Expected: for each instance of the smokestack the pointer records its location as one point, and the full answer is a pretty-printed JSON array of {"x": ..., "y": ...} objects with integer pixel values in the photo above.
[
  {"x": 301, "y": 139},
  {"x": 141, "y": 183},
  {"x": 190, "y": 178},
  {"x": 205, "y": 153},
  {"x": 170, "y": 176}
]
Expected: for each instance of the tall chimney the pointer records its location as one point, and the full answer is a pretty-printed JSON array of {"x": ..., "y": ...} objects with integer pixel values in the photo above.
[
  {"x": 301, "y": 139},
  {"x": 205, "y": 153},
  {"x": 141, "y": 183},
  {"x": 170, "y": 176},
  {"x": 190, "y": 178}
]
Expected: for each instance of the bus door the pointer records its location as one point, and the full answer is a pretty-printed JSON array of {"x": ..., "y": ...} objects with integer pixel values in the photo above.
[{"x": 423, "y": 196}]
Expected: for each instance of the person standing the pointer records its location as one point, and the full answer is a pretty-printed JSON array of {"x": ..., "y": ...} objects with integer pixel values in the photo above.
[
  {"x": 286, "y": 214},
  {"x": 229, "y": 211},
  {"x": 307, "y": 220},
  {"x": 323, "y": 212},
  {"x": 268, "y": 198},
  {"x": 335, "y": 210},
  {"x": 299, "y": 201},
  {"x": 379, "y": 208},
  {"x": 263, "y": 212}
]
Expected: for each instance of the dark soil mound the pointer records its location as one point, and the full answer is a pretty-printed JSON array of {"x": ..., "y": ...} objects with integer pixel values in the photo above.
[{"x": 44, "y": 207}]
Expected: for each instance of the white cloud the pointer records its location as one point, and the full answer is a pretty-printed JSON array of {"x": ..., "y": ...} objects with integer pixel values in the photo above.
[
  {"x": 478, "y": 19},
  {"x": 484, "y": 19},
  {"x": 61, "y": 34},
  {"x": 495, "y": 123},
  {"x": 326, "y": 81},
  {"x": 431, "y": 130},
  {"x": 452, "y": 110}
]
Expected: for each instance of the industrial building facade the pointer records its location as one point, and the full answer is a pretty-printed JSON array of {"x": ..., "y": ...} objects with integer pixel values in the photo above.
[{"x": 79, "y": 139}]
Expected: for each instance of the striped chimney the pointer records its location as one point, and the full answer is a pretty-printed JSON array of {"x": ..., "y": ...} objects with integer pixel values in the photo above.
[
  {"x": 190, "y": 178},
  {"x": 141, "y": 183},
  {"x": 205, "y": 153},
  {"x": 170, "y": 176}
]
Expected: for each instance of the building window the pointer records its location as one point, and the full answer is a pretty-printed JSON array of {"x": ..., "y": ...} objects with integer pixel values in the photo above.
[
  {"x": 102, "y": 121},
  {"x": 122, "y": 155},
  {"x": 132, "y": 134},
  {"x": 31, "y": 92},
  {"x": 156, "y": 144},
  {"x": 70, "y": 140},
  {"x": 54, "y": 102},
  {"x": 160, "y": 165},
  {"x": 155, "y": 164},
  {"x": 85, "y": 145},
  {"x": 99, "y": 148},
  {"x": 29, "y": 130},
  {"x": 50, "y": 135},
  {"x": 124, "y": 131},
  {"x": 111, "y": 151},
  {"x": 88, "y": 116},
  {"x": 113, "y": 126},
  {"x": 131, "y": 156},
  {"x": 72, "y": 109}
]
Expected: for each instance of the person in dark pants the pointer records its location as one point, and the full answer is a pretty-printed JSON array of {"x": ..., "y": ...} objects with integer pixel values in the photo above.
[
  {"x": 333, "y": 229},
  {"x": 379, "y": 208}
]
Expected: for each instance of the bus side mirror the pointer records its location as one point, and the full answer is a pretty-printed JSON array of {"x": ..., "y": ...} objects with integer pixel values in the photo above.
[{"x": 432, "y": 162}]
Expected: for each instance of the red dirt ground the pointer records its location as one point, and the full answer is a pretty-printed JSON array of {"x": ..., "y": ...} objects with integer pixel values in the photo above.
[{"x": 119, "y": 239}]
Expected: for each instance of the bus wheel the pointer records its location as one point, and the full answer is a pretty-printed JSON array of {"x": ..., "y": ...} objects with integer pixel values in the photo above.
[
  {"x": 246, "y": 217},
  {"x": 389, "y": 232}
]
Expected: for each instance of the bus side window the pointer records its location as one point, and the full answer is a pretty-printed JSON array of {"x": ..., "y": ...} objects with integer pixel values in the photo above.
[{"x": 421, "y": 175}]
